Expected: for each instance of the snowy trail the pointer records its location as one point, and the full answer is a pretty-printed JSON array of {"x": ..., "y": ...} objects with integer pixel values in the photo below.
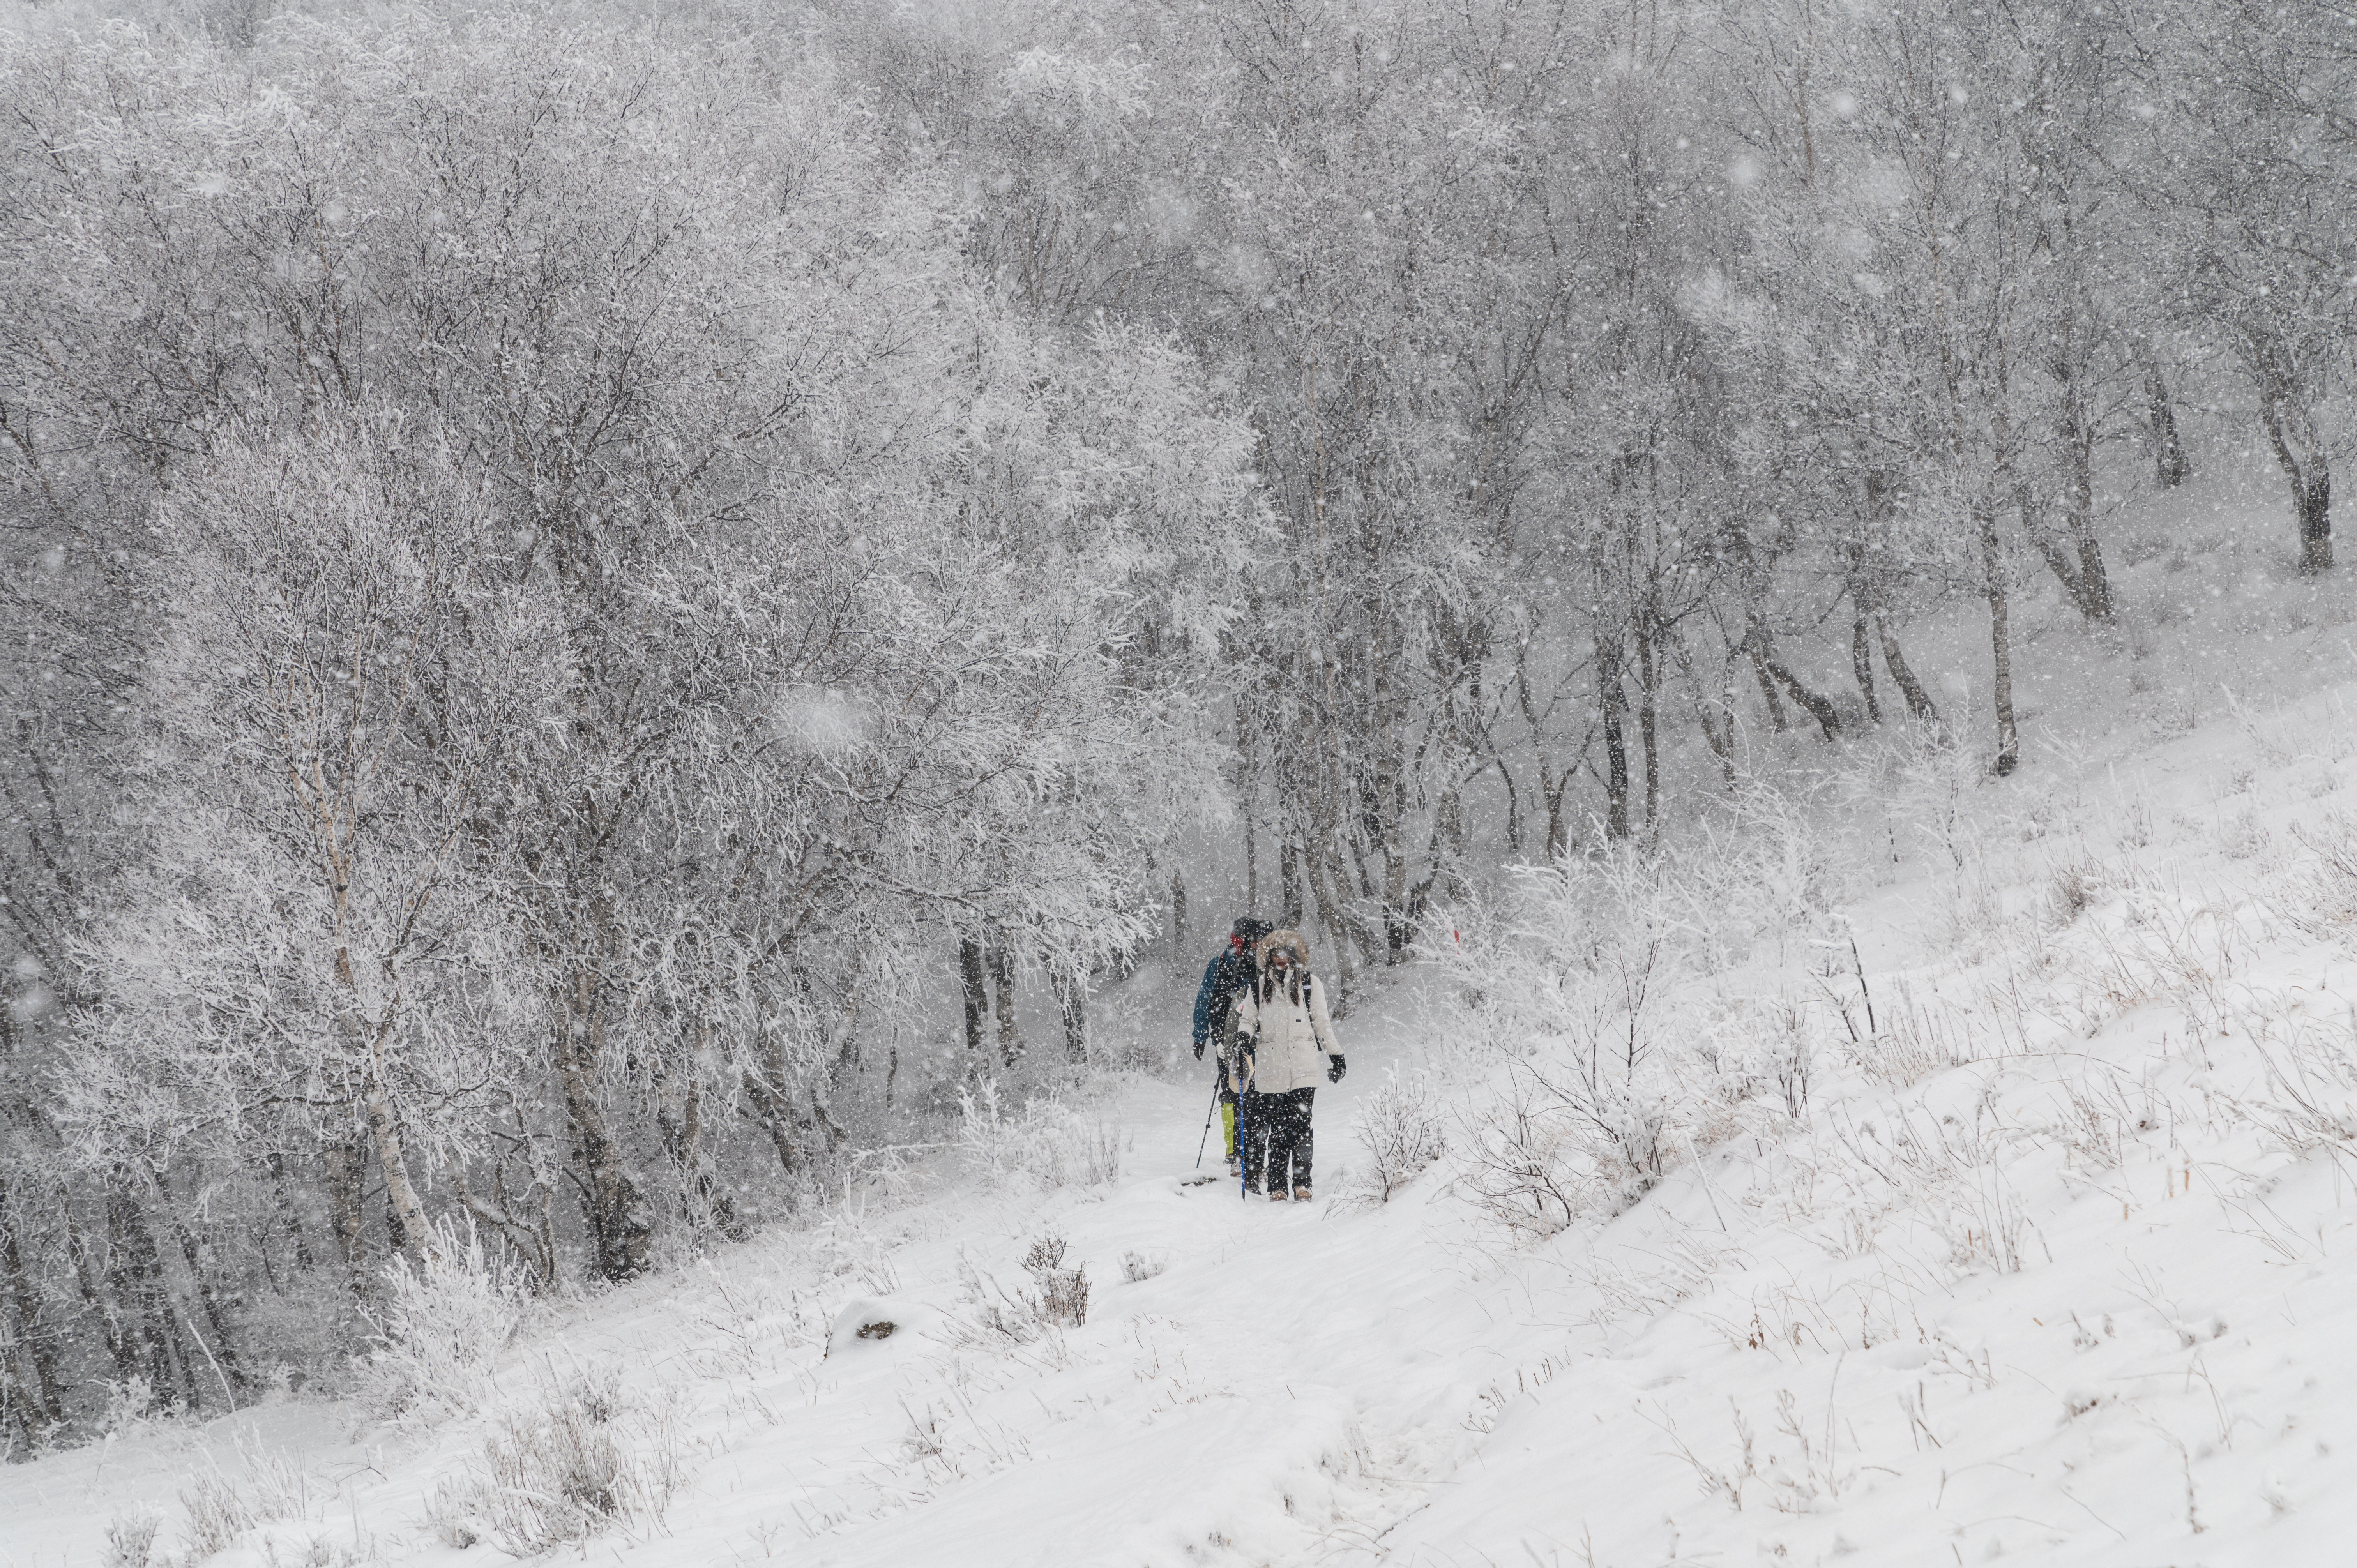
[{"x": 1220, "y": 1402}]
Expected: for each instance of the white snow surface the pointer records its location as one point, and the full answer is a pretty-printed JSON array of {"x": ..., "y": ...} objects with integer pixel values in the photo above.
[{"x": 2058, "y": 1273}]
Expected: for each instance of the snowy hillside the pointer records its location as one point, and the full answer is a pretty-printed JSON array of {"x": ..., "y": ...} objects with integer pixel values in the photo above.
[
  {"x": 2030, "y": 1244},
  {"x": 643, "y": 647}
]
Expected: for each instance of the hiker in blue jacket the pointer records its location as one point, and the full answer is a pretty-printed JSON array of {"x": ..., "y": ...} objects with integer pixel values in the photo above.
[{"x": 1225, "y": 978}]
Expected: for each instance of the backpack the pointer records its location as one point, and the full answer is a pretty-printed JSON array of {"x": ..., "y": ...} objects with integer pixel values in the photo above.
[{"x": 1233, "y": 979}]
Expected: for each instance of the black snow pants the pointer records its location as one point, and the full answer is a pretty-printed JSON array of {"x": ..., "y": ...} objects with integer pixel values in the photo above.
[{"x": 1278, "y": 1130}]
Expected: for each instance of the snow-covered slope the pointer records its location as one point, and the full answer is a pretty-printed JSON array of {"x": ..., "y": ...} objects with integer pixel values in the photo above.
[
  {"x": 2081, "y": 1298},
  {"x": 2053, "y": 1263}
]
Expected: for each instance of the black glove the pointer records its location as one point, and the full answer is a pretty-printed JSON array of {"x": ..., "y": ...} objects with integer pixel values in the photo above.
[
  {"x": 1334, "y": 1074},
  {"x": 1198, "y": 1050}
]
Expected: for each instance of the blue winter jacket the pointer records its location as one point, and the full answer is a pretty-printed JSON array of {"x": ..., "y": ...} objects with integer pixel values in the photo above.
[{"x": 1216, "y": 990}]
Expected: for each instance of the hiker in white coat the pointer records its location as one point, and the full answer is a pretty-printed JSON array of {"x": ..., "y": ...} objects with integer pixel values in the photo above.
[{"x": 1287, "y": 1041}]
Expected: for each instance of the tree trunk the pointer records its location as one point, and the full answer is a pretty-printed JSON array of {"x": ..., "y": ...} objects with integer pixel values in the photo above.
[
  {"x": 2306, "y": 462},
  {"x": 705, "y": 1201},
  {"x": 2315, "y": 513},
  {"x": 526, "y": 1240},
  {"x": 1289, "y": 882},
  {"x": 614, "y": 1198},
  {"x": 1448, "y": 841},
  {"x": 1252, "y": 860},
  {"x": 1001, "y": 960},
  {"x": 1553, "y": 790},
  {"x": 1337, "y": 930},
  {"x": 364, "y": 1044},
  {"x": 405, "y": 1217},
  {"x": 1919, "y": 701},
  {"x": 1767, "y": 683},
  {"x": 290, "y": 1219},
  {"x": 97, "y": 1297},
  {"x": 1180, "y": 956},
  {"x": 1817, "y": 706},
  {"x": 977, "y": 995},
  {"x": 36, "y": 1367},
  {"x": 1514, "y": 806},
  {"x": 1071, "y": 1006},
  {"x": 222, "y": 1355},
  {"x": 1323, "y": 853},
  {"x": 135, "y": 1276},
  {"x": 1861, "y": 660},
  {"x": 1648, "y": 726},
  {"x": 1718, "y": 728},
  {"x": 1389, "y": 780},
  {"x": 769, "y": 1086},
  {"x": 2170, "y": 464},
  {"x": 2074, "y": 556},
  {"x": 2094, "y": 593},
  {"x": 2009, "y": 740},
  {"x": 1614, "y": 703},
  {"x": 2085, "y": 577},
  {"x": 345, "y": 1162}
]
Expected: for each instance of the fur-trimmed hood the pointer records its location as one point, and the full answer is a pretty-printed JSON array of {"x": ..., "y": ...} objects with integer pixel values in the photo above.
[
  {"x": 1290, "y": 940},
  {"x": 1297, "y": 973}
]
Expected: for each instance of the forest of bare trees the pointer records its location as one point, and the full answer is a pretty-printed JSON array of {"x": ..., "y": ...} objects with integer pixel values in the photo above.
[{"x": 574, "y": 578}]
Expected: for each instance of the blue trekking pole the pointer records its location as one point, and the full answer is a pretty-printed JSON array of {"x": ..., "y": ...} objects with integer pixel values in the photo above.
[
  {"x": 1243, "y": 1147},
  {"x": 1243, "y": 1134}
]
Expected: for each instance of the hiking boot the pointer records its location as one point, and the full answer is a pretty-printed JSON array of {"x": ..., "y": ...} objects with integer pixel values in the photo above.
[
  {"x": 1277, "y": 1195},
  {"x": 1235, "y": 1168},
  {"x": 1300, "y": 1195}
]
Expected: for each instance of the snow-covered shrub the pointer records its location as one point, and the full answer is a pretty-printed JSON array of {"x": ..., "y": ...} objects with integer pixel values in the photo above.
[
  {"x": 1136, "y": 1266},
  {"x": 1083, "y": 1150},
  {"x": 1760, "y": 1049},
  {"x": 998, "y": 1318},
  {"x": 1063, "y": 1293},
  {"x": 442, "y": 1326},
  {"x": 1401, "y": 1127},
  {"x": 1056, "y": 1143},
  {"x": 562, "y": 1470},
  {"x": 131, "y": 1403},
  {"x": 1523, "y": 1160},
  {"x": 131, "y": 1539},
  {"x": 1769, "y": 870},
  {"x": 218, "y": 1514},
  {"x": 1565, "y": 984},
  {"x": 2071, "y": 890},
  {"x": 275, "y": 1480}
]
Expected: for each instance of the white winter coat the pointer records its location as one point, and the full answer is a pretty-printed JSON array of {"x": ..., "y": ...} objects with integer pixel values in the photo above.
[{"x": 1294, "y": 1038}]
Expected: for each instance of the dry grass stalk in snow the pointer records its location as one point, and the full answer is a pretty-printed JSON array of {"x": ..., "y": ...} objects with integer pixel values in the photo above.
[
  {"x": 584, "y": 1459},
  {"x": 219, "y": 1513},
  {"x": 131, "y": 1539}
]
